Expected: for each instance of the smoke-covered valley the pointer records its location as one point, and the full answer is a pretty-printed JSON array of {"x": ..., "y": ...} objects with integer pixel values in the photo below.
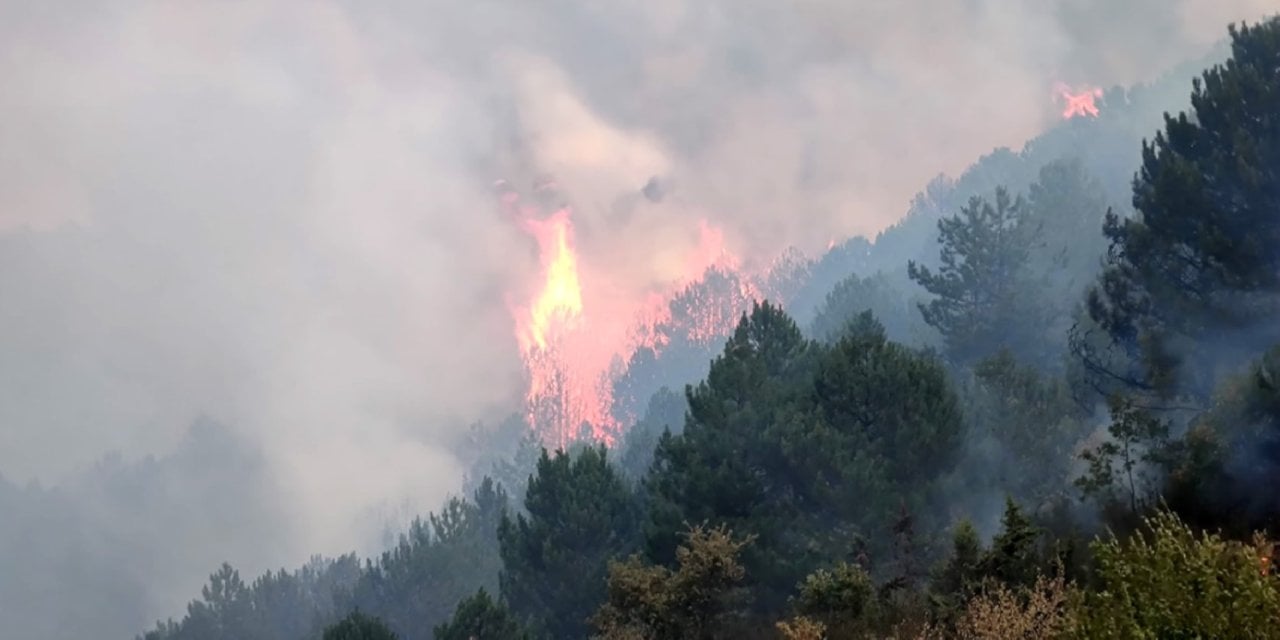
[{"x": 256, "y": 288}]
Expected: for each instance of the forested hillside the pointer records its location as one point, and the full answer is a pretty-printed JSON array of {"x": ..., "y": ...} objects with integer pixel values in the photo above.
[{"x": 1046, "y": 404}]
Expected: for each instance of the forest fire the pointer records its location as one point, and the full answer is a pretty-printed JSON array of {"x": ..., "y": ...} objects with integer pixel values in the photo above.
[
  {"x": 1268, "y": 555},
  {"x": 1078, "y": 102},
  {"x": 560, "y": 301},
  {"x": 576, "y": 332}
]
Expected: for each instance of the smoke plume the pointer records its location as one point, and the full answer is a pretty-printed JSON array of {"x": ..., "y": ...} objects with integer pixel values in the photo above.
[{"x": 280, "y": 215}]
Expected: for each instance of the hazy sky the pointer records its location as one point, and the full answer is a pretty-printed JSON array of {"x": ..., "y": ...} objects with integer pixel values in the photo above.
[{"x": 277, "y": 214}]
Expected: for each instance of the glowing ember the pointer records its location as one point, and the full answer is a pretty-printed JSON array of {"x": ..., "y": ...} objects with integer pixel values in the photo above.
[
  {"x": 1079, "y": 102},
  {"x": 1268, "y": 553}
]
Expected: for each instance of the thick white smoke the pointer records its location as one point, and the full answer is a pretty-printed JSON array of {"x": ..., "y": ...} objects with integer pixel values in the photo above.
[{"x": 277, "y": 214}]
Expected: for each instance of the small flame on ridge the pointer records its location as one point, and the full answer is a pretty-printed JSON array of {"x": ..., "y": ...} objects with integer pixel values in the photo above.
[{"x": 1078, "y": 102}]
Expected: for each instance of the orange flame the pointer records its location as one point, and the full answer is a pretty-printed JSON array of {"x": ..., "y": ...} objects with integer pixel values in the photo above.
[
  {"x": 560, "y": 301},
  {"x": 568, "y": 387},
  {"x": 579, "y": 328},
  {"x": 1267, "y": 553},
  {"x": 1079, "y": 102}
]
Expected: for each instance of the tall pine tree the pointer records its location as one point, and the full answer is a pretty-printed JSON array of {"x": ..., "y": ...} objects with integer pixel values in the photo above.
[
  {"x": 581, "y": 513},
  {"x": 983, "y": 295},
  {"x": 728, "y": 466},
  {"x": 481, "y": 618},
  {"x": 1195, "y": 275}
]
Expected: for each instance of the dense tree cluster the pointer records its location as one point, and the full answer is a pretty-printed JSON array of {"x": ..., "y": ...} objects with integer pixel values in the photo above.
[
  {"x": 803, "y": 446},
  {"x": 1200, "y": 258},
  {"x": 1089, "y": 449}
]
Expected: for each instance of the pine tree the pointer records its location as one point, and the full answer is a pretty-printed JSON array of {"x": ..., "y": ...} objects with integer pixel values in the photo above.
[
  {"x": 983, "y": 293},
  {"x": 580, "y": 514},
  {"x": 666, "y": 412},
  {"x": 1031, "y": 420},
  {"x": 1121, "y": 468},
  {"x": 1196, "y": 274},
  {"x": 1066, "y": 208},
  {"x": 439, "y": 561},
  {"x": 1229, "y": 453},
  {"x": 225, "y": 609},
  {"x": 1013, "y": 559},
  {"x": 728, "y": 466},
  {"x": 358, "y": 626},
  {"x": 884, "y": 399},
  {"x": 960, "y": 576},
  {"x": 877, "y": 294},
  {"x": 804, "y": 447},
  {"x": 479, "y": 617}
]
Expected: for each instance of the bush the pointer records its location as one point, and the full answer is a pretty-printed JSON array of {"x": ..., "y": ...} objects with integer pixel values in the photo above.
[
  {"x": 1170, "y": 582},
  {"x": 1042, "y": 612}
]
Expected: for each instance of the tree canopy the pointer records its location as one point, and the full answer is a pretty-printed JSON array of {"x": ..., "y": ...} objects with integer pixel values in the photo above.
[
  {"x": 1194, "y": 275},
  {"x": 580, "y": 513},
  {"x": 983, "y": 295},
  {"x": 855, "y": 483}
]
